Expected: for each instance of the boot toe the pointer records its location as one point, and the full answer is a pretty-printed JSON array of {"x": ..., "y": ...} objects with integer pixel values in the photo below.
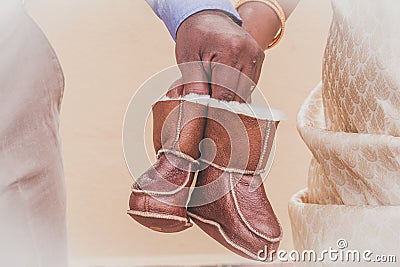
[{"x": 157, "y": 215}]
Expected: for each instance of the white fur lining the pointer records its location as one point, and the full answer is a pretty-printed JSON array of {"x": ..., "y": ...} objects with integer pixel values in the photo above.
[
  {"x": 249, "y": 110},
  {"x": 233, "y": 106},
  {"x": 195, "y": 98}
]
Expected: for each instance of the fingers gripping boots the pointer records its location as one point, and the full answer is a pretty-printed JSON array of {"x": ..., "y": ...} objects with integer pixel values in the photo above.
[
  {"x": 159, "y": 196},
  {"x": 224, "y": 203}
]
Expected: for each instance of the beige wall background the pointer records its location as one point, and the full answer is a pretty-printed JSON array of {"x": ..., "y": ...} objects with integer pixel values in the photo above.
[{"x": 107, "y": 50}]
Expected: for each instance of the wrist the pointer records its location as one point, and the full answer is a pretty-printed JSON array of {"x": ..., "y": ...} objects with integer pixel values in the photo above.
[
  {"x": 260, "y": 21},
  {"x": 214, "y": 12},
  {"x": 203, "y": 16}
]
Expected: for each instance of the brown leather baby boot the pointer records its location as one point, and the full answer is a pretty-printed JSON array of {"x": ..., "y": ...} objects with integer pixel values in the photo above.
[
  {"x": 159, "y": 196},
  {"x": 229, "y": 202}
]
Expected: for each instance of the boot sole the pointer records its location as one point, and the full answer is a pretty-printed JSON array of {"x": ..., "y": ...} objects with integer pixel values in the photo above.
[
  {"x": 161, "y": 222},
  {"x": 209, "y": 227}
]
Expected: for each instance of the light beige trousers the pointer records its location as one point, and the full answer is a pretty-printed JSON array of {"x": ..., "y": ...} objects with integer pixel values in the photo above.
[{"x": 32, "y": 189}]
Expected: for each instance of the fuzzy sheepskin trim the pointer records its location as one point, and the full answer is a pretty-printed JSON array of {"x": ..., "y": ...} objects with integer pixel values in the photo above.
[
  {"x": 262, "y": 113},
  {"x": 195, "y": 98}
]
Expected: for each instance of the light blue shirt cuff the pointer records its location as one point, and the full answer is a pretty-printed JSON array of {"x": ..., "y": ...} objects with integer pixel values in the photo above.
[{"x": 174, "y": 12}]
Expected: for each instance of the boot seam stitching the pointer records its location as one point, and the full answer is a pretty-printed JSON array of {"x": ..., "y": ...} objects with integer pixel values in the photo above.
[
  {"x": 270, "y": 239},
  {"x": 178, "y": 189},
  {"x": 148, "y": 214},
  {"x": 227, "y": 239},
  {"x": 178, "y": 154},
  {"x": 179, "y": 124},
  {"x": 232, "y": 170},
  {"x": 265, "y": 145}
]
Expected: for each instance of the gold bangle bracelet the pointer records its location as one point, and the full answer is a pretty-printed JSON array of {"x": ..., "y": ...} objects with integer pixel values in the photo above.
[{"x": 274, "y": 5}]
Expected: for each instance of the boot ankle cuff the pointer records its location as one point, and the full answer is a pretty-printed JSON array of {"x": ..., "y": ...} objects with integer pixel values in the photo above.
[
  {"x": 232, "y": 170},
  {"x": 178, "y": 154}
]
